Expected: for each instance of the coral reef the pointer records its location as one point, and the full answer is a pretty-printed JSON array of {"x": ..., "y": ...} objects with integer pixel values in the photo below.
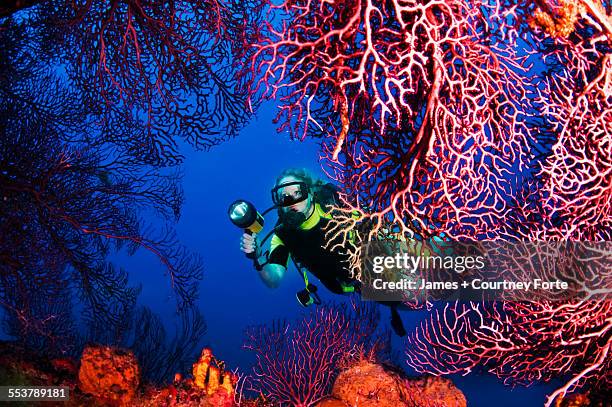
[
  {"x": 331, "y": 358},
  {"x": 436, "y": 122},
  {"x": 109, "y": 377},
  {"x": 137, "y": 65},
  {"x": 598, "y": 398},
  {"x": 211, "y": 386},
  {"x": 507, "y": 340},
  {"x": 297, "y": 362},
  {"x": 23, "y": 368},
  {"x": 109, "y": 374},
  {"x": 332, "y": 403},
  {"x": 217, "y": 384},
  {"x": 367, "y": 384},
  {"x": 433, "y": 391}
]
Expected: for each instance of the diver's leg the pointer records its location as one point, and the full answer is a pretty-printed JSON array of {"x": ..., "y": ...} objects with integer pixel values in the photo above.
[{"x": 396, "y": 320}]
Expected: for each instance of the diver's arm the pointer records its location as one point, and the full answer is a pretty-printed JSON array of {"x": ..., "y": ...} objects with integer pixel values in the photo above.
[
  {"x": 274, "y": 263},
  {"x": 272, "y": 274},
  {"x": 270, "y": 269}
]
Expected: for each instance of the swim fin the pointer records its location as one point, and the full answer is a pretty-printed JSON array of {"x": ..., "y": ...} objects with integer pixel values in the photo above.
[{"x": 396, "y": 323}]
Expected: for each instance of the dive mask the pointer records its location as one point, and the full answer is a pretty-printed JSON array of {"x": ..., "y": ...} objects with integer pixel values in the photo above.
[{"x": 283, "y": 195}]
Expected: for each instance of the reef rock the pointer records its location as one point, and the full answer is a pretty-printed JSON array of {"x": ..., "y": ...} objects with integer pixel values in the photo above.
[
  {"x": 599, "y": 396},
  {"x": 110, "y": 374},
  {"x": 331, "y": 402},
  {"x": 573, "y": 400},
  {"x": 432, "y": 391},
  {"x": 65, "y": 365},
  {"x": 368, "y": 384}
]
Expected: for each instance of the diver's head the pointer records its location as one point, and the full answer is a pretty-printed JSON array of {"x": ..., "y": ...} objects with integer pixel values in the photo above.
[{"x": 293, "y": 194}]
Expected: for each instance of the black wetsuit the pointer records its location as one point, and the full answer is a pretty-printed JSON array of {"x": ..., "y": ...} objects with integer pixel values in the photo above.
[{"x": 308, "y": 249}]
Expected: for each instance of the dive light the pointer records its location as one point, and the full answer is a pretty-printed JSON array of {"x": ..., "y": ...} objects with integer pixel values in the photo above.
[{"x": 244, "y": 215}]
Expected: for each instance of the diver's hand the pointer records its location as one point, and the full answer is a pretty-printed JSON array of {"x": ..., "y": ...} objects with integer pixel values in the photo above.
[{"x": 249, "y": 244}]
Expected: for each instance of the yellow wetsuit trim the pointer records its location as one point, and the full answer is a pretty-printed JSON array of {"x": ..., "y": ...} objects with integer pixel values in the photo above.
[
  {"x": 314, "y": 218},
  {"x": 309, "y": 223},
  {"x": 275, "y": 242}
]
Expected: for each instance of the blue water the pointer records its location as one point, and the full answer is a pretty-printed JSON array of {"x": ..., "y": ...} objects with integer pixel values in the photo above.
[{"x": 232, "y": 296}]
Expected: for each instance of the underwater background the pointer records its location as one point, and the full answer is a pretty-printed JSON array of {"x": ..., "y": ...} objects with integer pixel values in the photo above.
[
  {"x": 127, "y": 130},
  {"x": 232, "y": 296}
]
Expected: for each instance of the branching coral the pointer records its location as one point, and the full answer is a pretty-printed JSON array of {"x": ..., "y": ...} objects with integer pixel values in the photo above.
[
  {"x": 66, "y": 205},
  {"x": 519, "y": 342},
  {"x": 296, "y": 364},
  {"x": 422, "y": 105},
  {"x": 152, "y": 71},
  {"x": 436, "y": 124}
]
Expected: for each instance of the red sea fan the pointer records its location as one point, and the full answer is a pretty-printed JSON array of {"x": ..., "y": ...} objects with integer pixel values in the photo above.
[
  {"x": 165, "y": 69},
  {"x": 296, "y": 363},
  {"x": 520, "y": 342},
  {"x": 422, "y": 104}
]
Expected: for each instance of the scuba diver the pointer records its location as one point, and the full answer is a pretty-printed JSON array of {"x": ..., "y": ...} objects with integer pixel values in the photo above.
[{"x": 304, "y": 208}]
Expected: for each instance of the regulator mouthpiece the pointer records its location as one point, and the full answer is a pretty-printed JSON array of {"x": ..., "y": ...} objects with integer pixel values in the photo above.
[{"x": 244, "y": 215}]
